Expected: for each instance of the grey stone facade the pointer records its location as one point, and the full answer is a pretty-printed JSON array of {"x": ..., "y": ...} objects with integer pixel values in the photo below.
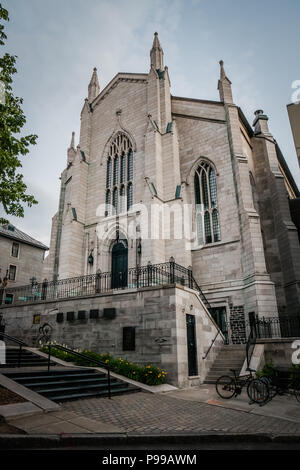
[
  {"x": 157, "y": 314},
  {"x": 255, "y": 263},
  {"x": 245, "y": 256}
]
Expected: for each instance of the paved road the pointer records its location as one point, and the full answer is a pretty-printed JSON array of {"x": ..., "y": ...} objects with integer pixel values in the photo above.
[{"x": 145, "y": 412}]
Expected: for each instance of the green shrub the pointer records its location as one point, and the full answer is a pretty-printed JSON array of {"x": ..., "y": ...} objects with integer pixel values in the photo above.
[
  {"x": 268, "y": 370},
  {"x": 148, "y": 374}
]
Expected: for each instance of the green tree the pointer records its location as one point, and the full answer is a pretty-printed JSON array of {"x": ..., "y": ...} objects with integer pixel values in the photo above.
[{"x": 12, "y": 144}]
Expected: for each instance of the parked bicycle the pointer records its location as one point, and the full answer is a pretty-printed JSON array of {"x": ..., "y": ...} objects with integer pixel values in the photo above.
[
  {"x": 231, "y": 386},
  {"x": 280, "y": 383}
]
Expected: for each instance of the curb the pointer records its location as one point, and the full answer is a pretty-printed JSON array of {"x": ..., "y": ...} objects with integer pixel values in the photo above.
[{"x": 63, "y": 441}]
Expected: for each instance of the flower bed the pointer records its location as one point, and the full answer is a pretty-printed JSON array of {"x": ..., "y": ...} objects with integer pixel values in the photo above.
[
  {"x": 148, "y": 374},
  {"x": 8, "y": 397}
]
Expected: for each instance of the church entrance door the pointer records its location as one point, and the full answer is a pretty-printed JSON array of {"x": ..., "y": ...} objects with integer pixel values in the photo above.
[{"x": 119, "y": 266}]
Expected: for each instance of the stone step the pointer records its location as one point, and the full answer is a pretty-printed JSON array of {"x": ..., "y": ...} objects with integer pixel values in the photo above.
[
  {"x": 69, "y": 384},
  {"x": 54, "y": 391},
  {"x": 104, "y": 393},
  {"x": 45, "y": 376},
  {"x": 57, "y": 383}
]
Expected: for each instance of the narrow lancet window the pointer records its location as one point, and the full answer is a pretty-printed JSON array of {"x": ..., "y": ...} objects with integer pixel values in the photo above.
[
  {"x": 119, "y": 176},
  {"x": 206, "y": 202}
]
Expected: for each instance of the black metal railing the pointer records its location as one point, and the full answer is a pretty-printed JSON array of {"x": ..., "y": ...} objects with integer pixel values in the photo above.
[
  {"x": 276, "y": 327},
  {"x": 85, "y": 358},
  {"x": 219, "y": 332},
  {"x": 250, "y": 345},
  {"x": 7, "y": 338},
  {"x": 142, "y": 276}
]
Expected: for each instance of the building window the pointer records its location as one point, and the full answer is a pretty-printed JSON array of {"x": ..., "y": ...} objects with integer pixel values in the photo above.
[
  {"x": 119, "y": 175},
  {"x": 129, "y": 338},
  {"x": 15, "y": 250},
  {"x": 12, "y": 272},
  {"x": 207, "y": 215}
]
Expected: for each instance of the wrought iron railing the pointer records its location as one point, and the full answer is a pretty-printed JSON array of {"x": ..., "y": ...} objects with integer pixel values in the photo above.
[
  {"x": 134, "y": 278},
  {"x": 11, "y": 339},
  {"x": 83, "y": 357},
  {"x": 250, "y": 345},
  {"x": 276, "y": 327}
]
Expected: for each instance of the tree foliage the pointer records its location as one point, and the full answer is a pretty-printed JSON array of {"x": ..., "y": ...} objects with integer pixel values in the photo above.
[{"x": 12, "y": 145}]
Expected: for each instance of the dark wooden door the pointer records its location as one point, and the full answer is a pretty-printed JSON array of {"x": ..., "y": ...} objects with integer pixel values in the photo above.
[
  {"x": 191, "y": 345},
  {"x": 219, "y": 315},
  {"x": 119, "y": 266}
]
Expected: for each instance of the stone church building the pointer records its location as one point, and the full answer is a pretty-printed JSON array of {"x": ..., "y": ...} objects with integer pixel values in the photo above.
[
  {"x": 140, "y": 142},
  {"x": 157, "y": 177}
]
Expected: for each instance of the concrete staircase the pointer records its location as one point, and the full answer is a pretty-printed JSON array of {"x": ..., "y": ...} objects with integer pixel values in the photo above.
[
  {"x": 27, "y": 359},
  {"x": 71, "y": 384},
  {"x": 230, "y": 357}
]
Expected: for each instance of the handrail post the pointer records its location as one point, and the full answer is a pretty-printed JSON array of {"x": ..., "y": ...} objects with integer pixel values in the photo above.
[
  {"x": 49, "y": 354},
  {"x": 19, "y": 356},
  {"x": 172, "y": 270},
  {"x": 108, "y": 381},
  {"x": 190, "y": 277}
]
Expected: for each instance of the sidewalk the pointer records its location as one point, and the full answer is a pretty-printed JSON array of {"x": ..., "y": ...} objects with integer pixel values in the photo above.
[
  {"x": 187, "y": 412},
  {"x": 282, "y": 407}
]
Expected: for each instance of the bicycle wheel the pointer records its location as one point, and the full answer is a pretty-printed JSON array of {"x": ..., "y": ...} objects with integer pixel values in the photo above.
[
  {"x": 258, "y": 391},
  {"x": 269, "y": 383},
  {"x": 225, "y": 386}
]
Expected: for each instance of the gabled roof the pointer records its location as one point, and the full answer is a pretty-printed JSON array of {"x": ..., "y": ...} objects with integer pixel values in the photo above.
[
  {"x": 10, "y": 231},
  {"x": 126, "y": 77}
]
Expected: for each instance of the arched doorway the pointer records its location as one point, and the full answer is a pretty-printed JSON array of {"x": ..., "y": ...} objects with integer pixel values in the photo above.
[{"x": 119, "y": 265}]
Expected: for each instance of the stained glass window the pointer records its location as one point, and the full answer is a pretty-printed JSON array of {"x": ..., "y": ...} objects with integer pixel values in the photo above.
[
  {"x": 207, "y": 216},
  {"x": 129, "y": 196},
  {"x": 119, "y": 175},
  {"x": 108, "y": 173}
]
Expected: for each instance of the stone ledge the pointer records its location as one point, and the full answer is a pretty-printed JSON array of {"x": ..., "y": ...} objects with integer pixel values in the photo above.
[
  {"x": 17, "y": 410},
  {"x": 34, "y": 398}
]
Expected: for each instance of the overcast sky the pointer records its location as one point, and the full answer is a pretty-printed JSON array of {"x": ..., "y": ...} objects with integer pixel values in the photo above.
[{"x": 58, "y": 42}]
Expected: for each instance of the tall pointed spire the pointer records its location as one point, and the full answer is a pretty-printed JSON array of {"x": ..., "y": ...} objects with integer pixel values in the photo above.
[
  {"x": 157, "y": 54},
  {"x": 224, "y": 85},
  {"x": 72, "y": 144},
  {"x": 94, "y": 87},
  {"x": 71, "y": 150}
]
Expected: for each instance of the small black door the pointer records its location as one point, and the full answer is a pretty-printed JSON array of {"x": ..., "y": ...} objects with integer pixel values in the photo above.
[
  {"x": 191, "y": 345},
  {"x": 219, "y": 315},
  {"x": 119, "y": 266}
]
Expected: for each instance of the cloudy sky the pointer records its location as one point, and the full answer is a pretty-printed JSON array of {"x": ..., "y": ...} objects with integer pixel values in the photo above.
[{"x": 58, "y": 43}]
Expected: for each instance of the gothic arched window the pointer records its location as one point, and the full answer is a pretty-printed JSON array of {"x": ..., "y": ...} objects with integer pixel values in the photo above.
[
  {"x": 119, "y": 175},
  {"x": 207, "y": 216}
]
